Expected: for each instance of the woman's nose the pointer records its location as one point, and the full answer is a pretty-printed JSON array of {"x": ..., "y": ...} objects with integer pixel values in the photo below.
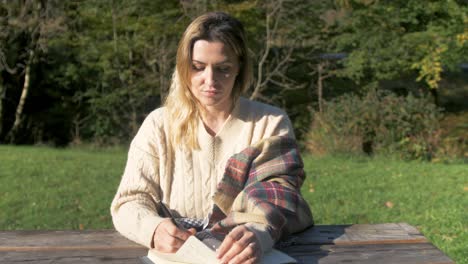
[{"x": 209, "y": 76}]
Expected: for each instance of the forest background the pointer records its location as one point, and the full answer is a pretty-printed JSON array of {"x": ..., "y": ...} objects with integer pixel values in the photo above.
[
  {"x": 354, "y": 76},
  {"x": 388, "y": 79}
]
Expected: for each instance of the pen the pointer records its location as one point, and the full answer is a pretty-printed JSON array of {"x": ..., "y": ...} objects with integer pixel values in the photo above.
[{"x": 167, "y": 213}]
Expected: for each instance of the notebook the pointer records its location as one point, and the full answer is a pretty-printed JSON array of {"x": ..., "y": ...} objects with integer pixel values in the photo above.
[{"x": 195, "y": 251}]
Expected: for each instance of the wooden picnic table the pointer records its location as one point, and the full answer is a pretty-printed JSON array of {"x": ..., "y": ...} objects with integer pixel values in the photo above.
[{"x": 360, "y": 243}]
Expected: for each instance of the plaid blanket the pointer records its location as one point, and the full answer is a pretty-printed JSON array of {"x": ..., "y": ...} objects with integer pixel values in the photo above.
[{"x": 262, "y": 184}]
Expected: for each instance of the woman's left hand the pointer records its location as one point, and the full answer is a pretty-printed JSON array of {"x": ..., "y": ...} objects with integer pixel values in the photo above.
[{"x": 240, "y": 246}]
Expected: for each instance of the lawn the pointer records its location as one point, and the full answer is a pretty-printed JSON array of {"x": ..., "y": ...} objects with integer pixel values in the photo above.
[
  {"x": 432, "y": 197},
  {"x": 46, "y": 188}
]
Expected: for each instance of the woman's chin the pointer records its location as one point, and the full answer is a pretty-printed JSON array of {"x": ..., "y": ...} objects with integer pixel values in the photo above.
[{"x": 214, "y": 101}]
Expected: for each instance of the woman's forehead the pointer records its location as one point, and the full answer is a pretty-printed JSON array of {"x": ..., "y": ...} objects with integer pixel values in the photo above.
[{"x": 212, "y": 51}]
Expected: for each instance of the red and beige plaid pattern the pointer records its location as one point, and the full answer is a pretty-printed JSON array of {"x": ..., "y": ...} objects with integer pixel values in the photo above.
[{"x": 262, "y": 184}]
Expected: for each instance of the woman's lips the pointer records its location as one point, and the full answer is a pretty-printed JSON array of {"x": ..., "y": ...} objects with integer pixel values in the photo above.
[{"x": 211, "y": 92}]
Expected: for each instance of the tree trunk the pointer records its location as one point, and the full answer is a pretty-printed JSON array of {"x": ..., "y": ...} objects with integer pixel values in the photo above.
[
  {"x": 163, "y": 86},
  {"x": 320, "y": 86},
  {"x": 263, "y": 59},
  {"x": 114, "y": 27},
  {"x": 24, "y": 94},
  {"x": 163, "y": 66},
  {"x": 131, "y": 99},
  {"x": 435, "y": 95},
  {"x": 76, "y": 135},
  {"x": 2, "y": 96}
]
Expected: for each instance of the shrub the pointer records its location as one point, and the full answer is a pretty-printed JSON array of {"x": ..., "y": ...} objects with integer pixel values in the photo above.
[{"x": 378, "y": 122}]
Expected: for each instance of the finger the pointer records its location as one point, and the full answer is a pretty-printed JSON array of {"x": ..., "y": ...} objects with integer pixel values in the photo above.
[
  {"x": 227, "y": 243},
  {"x": 253, "y": 260},
  {"x": 176, "y": 232},
  {"x": 169, "y": 238},
  {"x": 168, "y": 243},
  {"x": 241, "y": 254},
  {"x": 192, "y": 231},
  {"x": 165, "y": 243},
  {"x": 240, "y": 238},
  {"x": 163, "y": 246},
  {"x": 250, "y": 254}
]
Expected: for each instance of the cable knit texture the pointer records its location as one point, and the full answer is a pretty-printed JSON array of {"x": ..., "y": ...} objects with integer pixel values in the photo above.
[{"x": 187, "y": 180}]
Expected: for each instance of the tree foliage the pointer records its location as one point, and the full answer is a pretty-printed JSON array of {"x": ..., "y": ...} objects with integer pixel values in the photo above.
[
  {"x": 387, "y": 39},
  {"x": 99, "y": 67},
  {"x": 27, "y": 27},
  {"x": 377, "y": 122}
]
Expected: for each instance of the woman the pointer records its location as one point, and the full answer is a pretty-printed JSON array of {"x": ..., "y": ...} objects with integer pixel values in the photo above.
[{"x": 179, "y": 155}]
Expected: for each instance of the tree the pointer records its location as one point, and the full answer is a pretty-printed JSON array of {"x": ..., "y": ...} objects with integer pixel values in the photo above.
[
  {"x": 4, "y": 65},
  {"x": 97, "y": 79},
  {"x": 275, "y": 29},
  {"x": 389, "y": 39},
  {"x": 27, "y": 26},
  {"x": 130, "y": 46},
  {"x": 287, "y": 41},
  {"x": 322, "y": 62}
]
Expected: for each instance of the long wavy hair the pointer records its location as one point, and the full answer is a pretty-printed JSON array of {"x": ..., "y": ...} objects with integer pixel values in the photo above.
[{"x": 182, "y": 107}]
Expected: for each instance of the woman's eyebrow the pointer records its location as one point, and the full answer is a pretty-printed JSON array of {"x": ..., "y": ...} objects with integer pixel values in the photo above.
[{"x": 219, "y": 63}]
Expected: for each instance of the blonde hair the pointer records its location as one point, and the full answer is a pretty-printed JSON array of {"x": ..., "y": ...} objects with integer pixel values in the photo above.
[{"x": 182, "y": 107}]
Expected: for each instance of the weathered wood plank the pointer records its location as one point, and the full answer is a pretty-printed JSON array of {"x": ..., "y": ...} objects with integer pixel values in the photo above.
[
  {"x": 114, "y": 256},
  {"x": 325, "y": 254},
  {"x": 63, "y": 240},
  {"x": 382, "y": 253},
  {"x": 321, "y": 234},
  {"x": 379, "y": 243},
  {"x": 359, "y": 234}
]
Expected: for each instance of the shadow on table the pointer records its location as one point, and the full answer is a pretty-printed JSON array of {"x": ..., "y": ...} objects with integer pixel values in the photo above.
[{"x": 312, "y": 244}]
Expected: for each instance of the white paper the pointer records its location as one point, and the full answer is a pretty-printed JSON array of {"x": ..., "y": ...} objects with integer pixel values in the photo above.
[{"x": 194, "y": 251}]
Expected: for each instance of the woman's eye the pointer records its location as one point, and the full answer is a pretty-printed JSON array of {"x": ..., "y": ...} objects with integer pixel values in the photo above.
[
  {"x": 223, "y": 69},
  {"x": 197, "y": 68}
]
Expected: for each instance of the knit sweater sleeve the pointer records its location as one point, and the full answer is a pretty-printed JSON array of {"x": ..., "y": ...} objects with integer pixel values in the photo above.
[
  {"x": 133, "y": 208},
  {"x": 283, "y": 127},
  {"x": 264, "y": 120}
]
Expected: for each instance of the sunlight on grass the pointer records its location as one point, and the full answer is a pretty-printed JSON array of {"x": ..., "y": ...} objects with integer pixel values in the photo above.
[
  {"x": 45, "y": 188},
  {"x": 376, "y": 190}
]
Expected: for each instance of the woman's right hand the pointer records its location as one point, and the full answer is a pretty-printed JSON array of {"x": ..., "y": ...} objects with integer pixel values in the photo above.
[{"x": 168, "y": 238}]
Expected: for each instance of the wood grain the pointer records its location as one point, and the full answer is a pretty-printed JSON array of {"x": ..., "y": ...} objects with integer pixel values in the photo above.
[
  {"x": 63, "y": 240},
  {"x": 363, "y": 243},
  {"x": 366, "y": 253},
  {"x": 360, "y": 234},
  {"x": 127, "y": 256}
]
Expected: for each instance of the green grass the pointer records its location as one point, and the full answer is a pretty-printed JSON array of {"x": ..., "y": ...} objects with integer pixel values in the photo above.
[
  {"x": 430, "y": 196},
  {"x": 46, "y": 188}
]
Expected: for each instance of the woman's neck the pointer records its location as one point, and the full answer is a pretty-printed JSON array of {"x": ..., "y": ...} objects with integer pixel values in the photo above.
[{"x": 214, "y": 119}]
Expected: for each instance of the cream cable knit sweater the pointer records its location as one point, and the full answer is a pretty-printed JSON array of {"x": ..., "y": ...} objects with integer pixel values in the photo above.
[{"x": 186, "y": 180}]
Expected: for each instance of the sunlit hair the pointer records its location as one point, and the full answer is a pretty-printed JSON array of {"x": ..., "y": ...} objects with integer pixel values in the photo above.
[{"x": 181, "y": 105}]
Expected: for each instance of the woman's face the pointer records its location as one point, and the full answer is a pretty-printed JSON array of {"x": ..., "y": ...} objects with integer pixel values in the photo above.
[{"x": 213, "y": 73}]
